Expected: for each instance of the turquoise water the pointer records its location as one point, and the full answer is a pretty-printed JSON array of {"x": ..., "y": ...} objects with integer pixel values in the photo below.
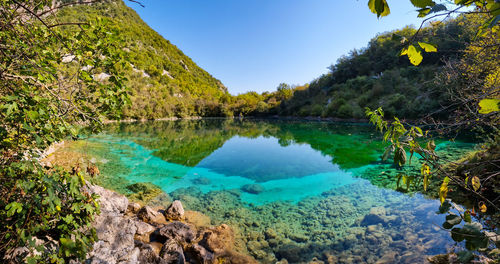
[{"x": 294, "y": 190}]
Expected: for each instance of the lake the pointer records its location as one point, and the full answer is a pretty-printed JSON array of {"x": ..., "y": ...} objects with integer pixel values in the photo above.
[{"x": 292, "y": 190}]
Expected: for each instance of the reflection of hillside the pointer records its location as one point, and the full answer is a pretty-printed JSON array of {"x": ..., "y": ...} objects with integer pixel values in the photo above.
[{"x": 187, "y": 142}]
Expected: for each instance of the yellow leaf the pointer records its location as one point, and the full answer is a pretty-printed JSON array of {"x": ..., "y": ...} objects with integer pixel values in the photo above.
[
  {"x": 443, "y": 190},
  {"x": 488, "y": 105},
  {"x": 427, "y": 47},
  {"x": 482, "y": 207},
  {"x": 414, "y": 55},
  {"x": 475, "y": 183}
]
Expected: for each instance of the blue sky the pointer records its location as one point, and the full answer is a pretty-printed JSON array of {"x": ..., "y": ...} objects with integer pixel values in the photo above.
[{"x": 253, "y": 45}]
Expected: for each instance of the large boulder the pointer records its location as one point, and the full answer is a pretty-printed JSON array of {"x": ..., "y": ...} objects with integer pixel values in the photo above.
[
  {"x": 116, "y": 239},
  {"x": 175, "y": 211},
  {"x": 198, "y": 254}
]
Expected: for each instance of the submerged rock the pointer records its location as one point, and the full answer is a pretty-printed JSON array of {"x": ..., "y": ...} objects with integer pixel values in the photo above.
[
  {"x": 252, "y": 188},
  {"x": 218, "y": 239},
  {"x": 201, "y": 181}
]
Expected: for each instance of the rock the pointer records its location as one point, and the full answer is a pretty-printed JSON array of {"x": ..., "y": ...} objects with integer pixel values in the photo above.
[
  {"x": 109, "y": 200},
  {"x": 172, "y": 253},
  {"x": 298, "y": 237},
  {"x": 291, "y": 253},
  {"x": 196, "y": 218},
  {"x": 143, "y": 231},
  {"x": 252, "y": 188},
  {"x": 147, "y": 254},
  {"x": 372, "y": 219},
  {"x": 378, "y": 211},
  {"x": 175, "y": 211},
  {"x": 177, "y": 231},
  {"x": 134, "y": 207},
  {"x": 201, "y": 181},
  {"x": 218, "y": 239},
  {"x": 147, "y": 214},
  {"x": 270, "y": 233},
  {"x": 235, "y": 258},
  {"x": 116, "y": 239},
  {"x": 198, "y": 254},
  {"x": 316, "y": 261},
  {"x": 387, "y": 258}
]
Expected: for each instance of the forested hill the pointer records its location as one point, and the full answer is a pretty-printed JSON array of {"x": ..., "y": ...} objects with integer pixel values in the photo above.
[
  {"x": 163, "y": 81},
  {"x": 378, "y": 76}
]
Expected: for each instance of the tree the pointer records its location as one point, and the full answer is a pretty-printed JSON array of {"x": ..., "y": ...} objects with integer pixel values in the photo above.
[{"x": 53, "y": 77}]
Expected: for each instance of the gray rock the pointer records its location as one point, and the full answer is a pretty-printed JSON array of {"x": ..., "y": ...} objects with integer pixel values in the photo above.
[
  {"x": 110, "y": 201},
  {"x": 199, "y": 254},
  {"x": 177, "y": 231},
  {"x": 147, "y": 214},
  {"x": 134, "y": 207},
  {"x": 148, "y": 255},
  {"x": 372, "y": 219},
  {"x": 172, "y": 253},
  {"x": 116, "y": 239},
  {"x": 175, "y": 211}
]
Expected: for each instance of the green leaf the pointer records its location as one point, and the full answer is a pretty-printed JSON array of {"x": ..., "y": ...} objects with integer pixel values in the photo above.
[
  {"x": 467, "y": 217},
  {"x": 457, "y": 235},
  {"x": 422, "y": 3},
  {"x": 379, "y": 7},
  {"x": 414, "y": 55},
  {"x": 427, "y": 47},
  {"x": 488, "y": 105},
  {"x": 438, "y": 8}
]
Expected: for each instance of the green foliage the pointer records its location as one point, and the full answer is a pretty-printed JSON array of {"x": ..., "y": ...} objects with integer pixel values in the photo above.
[
  {"x": 54, "y": 77},
  {"x": 40, "y": 203}
]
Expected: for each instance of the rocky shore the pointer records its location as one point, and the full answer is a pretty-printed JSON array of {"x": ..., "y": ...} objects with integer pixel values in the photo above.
[{"x": 129, "y": 233}]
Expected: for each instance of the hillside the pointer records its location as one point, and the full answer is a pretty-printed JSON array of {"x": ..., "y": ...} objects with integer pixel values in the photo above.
[
  {"x": 163, "y": 81},
  {"x": 374, "y": 76}
]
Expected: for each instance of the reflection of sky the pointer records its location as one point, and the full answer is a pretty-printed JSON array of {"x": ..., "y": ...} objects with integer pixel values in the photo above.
[{"x": 263, "y": 159}]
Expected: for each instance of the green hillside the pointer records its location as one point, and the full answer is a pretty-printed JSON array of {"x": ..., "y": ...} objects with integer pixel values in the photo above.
[
  {"x": 163, "y": 81},
  {"x": 377, "y": 76}
]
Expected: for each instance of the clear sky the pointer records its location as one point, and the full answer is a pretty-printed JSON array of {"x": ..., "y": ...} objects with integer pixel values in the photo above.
[{"x": 253, "y": 45}]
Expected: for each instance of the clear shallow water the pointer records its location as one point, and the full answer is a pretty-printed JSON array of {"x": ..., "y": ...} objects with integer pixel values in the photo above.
[{"x": 294, "y": 190}]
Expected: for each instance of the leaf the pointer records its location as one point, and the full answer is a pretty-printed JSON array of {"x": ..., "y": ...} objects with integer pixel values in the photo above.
[
  {"x": 427, "y": 47},
  {"x": 488, "y": 105},
  {"x": 443, "y": 190},
  {"x": 453, "y": 219},
  {"x": 438, "y": 8},
  {"x": 467, "y": 217},
  {"x": 422, "y": 3},
  {"x": 414, "y": 55},
  {"x": 475, "y": 183},
  {"x": 482, "y": 207},
  {"x": 379, "y": 7}
]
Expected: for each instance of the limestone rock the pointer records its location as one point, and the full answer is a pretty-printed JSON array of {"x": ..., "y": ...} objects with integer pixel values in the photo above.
[
  {"x": 116, "y": 239},
  {"x": 172, "y": 253},
  {"x": 134, "y": 207},
  {"x": 110, "y": 201},
  {"x": 387, "y": 258},
  {"x": 177, "y": 231},
  {"x": 175, "y": 211},
  {"x": 147, "y": 214}
]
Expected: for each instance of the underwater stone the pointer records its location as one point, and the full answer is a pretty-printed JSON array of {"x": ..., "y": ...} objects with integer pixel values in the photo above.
[
  {"x": 175, "y": 211},
  {"x": 218, "y": 239},
  {"x": 201, "y": 181},
  {"x": 252, "y": 188}
]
